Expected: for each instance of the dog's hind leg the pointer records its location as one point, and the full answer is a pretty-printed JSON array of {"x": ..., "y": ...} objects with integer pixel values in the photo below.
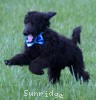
[
  {"x": 54, "y": 74},
  {"x": 78, "y": 71},
  {"x": 74, "y": 72}
]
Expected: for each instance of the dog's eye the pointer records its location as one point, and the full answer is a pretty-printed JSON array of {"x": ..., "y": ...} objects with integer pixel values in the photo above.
[
  {"x": 26, "y": 21},
  {"x": 32, "y": 23}
]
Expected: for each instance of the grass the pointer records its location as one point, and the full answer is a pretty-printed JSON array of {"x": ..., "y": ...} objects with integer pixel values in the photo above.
[{"x": 70, "y": 13}]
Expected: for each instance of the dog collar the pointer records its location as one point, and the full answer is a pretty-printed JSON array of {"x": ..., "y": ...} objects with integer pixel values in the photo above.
[{"x": 37, "y": 40}]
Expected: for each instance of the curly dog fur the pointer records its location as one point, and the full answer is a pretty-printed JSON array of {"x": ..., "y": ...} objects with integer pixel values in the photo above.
[{"x": 56, "y": 53}]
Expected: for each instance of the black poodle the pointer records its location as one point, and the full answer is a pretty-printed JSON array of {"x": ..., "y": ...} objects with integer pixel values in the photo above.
[{"x": 45, "y": 48}]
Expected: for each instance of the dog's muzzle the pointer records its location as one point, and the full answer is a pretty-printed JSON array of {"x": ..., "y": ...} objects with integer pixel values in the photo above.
[{"x": 28, "y": 29}]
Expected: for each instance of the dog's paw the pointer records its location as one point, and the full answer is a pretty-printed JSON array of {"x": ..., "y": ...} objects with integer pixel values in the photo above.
[
  {"x": 40, "y": 72},
  {"x": 8, "y": 62},
  {"x": 37, "y": 72}
]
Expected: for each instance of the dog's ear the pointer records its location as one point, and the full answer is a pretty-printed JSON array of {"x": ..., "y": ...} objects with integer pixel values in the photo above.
[{"x": 49, "y": 15}]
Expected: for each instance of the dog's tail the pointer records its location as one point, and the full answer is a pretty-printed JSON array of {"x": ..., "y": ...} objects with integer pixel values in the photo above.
[{"x": 76, "y": 35}]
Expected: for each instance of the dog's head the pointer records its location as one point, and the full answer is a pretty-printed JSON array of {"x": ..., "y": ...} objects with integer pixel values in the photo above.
[{"x": 36, "y": 22}]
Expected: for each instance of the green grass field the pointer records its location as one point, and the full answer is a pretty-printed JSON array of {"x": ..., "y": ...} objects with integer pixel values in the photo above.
[{"x": 16, "y": 82}]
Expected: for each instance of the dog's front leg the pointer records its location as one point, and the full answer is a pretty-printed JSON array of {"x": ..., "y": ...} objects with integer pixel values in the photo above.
[
  {"x": 19, "y": 59},
  {"x": 36, "y": 66}
]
